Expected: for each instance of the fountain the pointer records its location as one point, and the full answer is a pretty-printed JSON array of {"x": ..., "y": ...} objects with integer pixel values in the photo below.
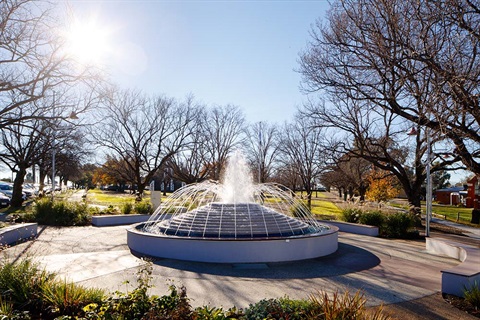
[{"x": 236, "y": 221}]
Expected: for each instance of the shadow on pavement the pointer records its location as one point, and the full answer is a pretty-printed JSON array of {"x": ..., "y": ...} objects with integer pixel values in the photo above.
[{"x": 346, "y": 259}]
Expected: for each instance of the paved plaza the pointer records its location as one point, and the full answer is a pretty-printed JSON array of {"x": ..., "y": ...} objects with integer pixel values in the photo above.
[{"x": 386, "y": 271}]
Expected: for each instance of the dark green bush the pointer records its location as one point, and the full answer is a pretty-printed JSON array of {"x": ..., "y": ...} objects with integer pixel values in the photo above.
[
  {"x": 283, "y": 308},
  {"x": 61, "y": 213},
  {"x": 143, "y": 207},
  {"x": 472, "y": 294},
  {"x": 372, "y": 218},
  {"x": 21, "y": 284},
  {"x": 351, "y": 215},
  {"x": 67, "y": 298},
  {"x": 399, "y": 225},
  {"x": 127, "y": 208}
]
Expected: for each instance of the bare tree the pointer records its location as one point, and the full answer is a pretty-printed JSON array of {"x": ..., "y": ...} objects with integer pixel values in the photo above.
[
  {"x": 33, "y": 62},
  {"x": 379, "y": 137},
  {"x": 223, "y": 126},
  {"x": 192, "y": 164},
  {"x": 142, "y": 132},
  {"x": 301, "y": 146},
  {"x": 419, "y": 60},
  {"x": 262, "y": 149}
]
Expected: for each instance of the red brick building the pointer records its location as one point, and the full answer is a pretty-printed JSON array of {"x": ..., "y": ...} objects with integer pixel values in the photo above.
[{"x": 473, "y": 193}]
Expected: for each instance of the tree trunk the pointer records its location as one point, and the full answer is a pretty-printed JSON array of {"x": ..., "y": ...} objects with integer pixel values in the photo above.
[
  {"x": 309, "y": 200},
  {"x": 17, "y": 199},
  {"x": 43, "y": 174},
  {"x": 362, "y": 189}
]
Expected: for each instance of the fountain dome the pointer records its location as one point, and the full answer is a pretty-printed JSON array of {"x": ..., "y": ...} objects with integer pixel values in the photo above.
[{"x": 235, "y": 221}]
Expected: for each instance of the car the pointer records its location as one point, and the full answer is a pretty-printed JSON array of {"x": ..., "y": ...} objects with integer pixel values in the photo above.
[
  {"x": 7, "y": 189},
  {"x": 4, "y": 200}
]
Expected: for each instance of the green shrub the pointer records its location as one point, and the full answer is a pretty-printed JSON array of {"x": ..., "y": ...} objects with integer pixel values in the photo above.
[
  {"x": 346, "y": 306},
  {"x": 137, "y": 304},
  {"x": 127, "y": 208},
  {"x": 21, "y": 284},
  {"x": 472, "y": 295},
  {"x": 65, "y": 298},
  {"x": 143, "y": 207},
  {"x": 282, "y": 308},
  {"x": 61, "y": 213},
  {"x": 214, "y": 313},
  {"x": 372, "y": 218},
  {"x": 351, "y": 215},
  {"x": 399, "y": 225}
]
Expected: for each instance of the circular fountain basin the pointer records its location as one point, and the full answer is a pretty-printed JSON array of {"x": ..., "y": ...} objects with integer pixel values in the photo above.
[{"x": 232, "y": 250}]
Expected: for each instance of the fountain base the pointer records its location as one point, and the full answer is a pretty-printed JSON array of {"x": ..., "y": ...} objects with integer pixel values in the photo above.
[{"x": 230, "y": 250}]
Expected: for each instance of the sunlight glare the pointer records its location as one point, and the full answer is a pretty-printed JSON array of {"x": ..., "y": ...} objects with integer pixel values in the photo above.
[{"x": 87, "y": 41}]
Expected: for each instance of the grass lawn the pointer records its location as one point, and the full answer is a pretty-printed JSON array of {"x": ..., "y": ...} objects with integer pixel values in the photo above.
[
  {"x": 451, "y": 213},
  {"x": 107, "y": 198},
  {"x": 325, "y": 209}
]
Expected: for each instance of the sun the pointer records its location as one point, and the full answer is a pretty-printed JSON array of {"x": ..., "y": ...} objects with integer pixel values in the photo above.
[{"x": 87, "y": 41}]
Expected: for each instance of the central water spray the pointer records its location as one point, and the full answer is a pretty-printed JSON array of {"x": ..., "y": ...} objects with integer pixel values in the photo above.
[{"x": 249, "y": 223}]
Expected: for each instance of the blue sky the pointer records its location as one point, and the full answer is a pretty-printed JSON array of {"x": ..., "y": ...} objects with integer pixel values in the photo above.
[{"x": 223, "y": 52}]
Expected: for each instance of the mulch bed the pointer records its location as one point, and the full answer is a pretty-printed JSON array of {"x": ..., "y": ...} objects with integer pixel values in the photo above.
[{"x": 462, "y": 304}]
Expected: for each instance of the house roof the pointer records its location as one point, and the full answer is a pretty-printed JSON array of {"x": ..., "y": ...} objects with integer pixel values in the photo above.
[{"x": 451, "y": 189}]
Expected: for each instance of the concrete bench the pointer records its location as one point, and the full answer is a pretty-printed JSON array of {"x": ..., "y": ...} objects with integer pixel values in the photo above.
[
  {"x": 465, "y": 274},
  {"x": 355, "y": 228},
  {"x": 19, "y": 232},
  {"x": 118, "y": 220}
]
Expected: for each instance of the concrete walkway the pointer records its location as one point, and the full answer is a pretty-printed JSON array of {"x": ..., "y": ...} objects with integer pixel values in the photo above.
[
  {"x": 471, "y": 232},
  {"x": 386, "y": 271}
]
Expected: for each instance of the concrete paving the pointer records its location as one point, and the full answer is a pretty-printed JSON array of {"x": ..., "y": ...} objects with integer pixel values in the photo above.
[{"x": 386, "y": 271}]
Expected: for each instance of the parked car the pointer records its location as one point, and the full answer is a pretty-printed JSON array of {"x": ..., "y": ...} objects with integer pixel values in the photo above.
[
  {"x": 4, "y": 200},
  {"x": 7, "y": 189}
]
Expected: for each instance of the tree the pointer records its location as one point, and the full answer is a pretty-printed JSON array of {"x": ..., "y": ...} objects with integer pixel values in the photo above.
[
  {"x": 85, "y": 178},
  {"x": 33, "y": 63},
  {"x": 142, "y": 132},
  {"x": 223, "y": 126},
  {"x": 20, "y": 149},
  {"x": 301, "y": 148},
  {"x": 440, "y": 179},
  {"x": 189, "y": 165},
  {"x": 382, "y": 186},
  {"x": 349, "y": 173},
  {"x": 114, "y": 171},
  {"x": 418, "y": 60},
  {"x": 262, "y": 149}
]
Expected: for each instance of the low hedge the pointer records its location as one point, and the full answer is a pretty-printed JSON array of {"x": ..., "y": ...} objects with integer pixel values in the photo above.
[{"x": 390, "y": 225}]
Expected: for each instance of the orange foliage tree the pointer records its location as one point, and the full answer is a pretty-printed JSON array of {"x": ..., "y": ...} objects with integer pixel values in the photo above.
[{"x": 382, "y": 186}]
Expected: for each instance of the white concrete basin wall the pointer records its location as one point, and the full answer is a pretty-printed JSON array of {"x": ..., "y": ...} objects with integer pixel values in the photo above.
[
  {"x": 231, "y": 250},
  {"x": 464, "y": 275},
  {"x": 15, "y": 233},
  {"x": 353, "y": 227},
  {"x": 117, "y": 220}
]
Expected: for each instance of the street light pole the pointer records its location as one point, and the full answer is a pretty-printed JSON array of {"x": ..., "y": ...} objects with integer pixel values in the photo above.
[
  {"x": 429, "y": 185},
  {"x": 53, "y": 148},
  {"x": 260, "y": 157},
  {"x": 428, "y": 204}
]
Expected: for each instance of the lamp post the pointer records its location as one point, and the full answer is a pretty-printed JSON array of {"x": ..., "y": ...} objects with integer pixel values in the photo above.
[
  {"x": 53, "y": 148},
  {"x": 72, "y": 116},
  {"x": 428, "y": 206}
]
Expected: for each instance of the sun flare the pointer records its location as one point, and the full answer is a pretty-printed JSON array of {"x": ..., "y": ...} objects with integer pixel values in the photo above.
[{"x": 88, "y": 41}]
